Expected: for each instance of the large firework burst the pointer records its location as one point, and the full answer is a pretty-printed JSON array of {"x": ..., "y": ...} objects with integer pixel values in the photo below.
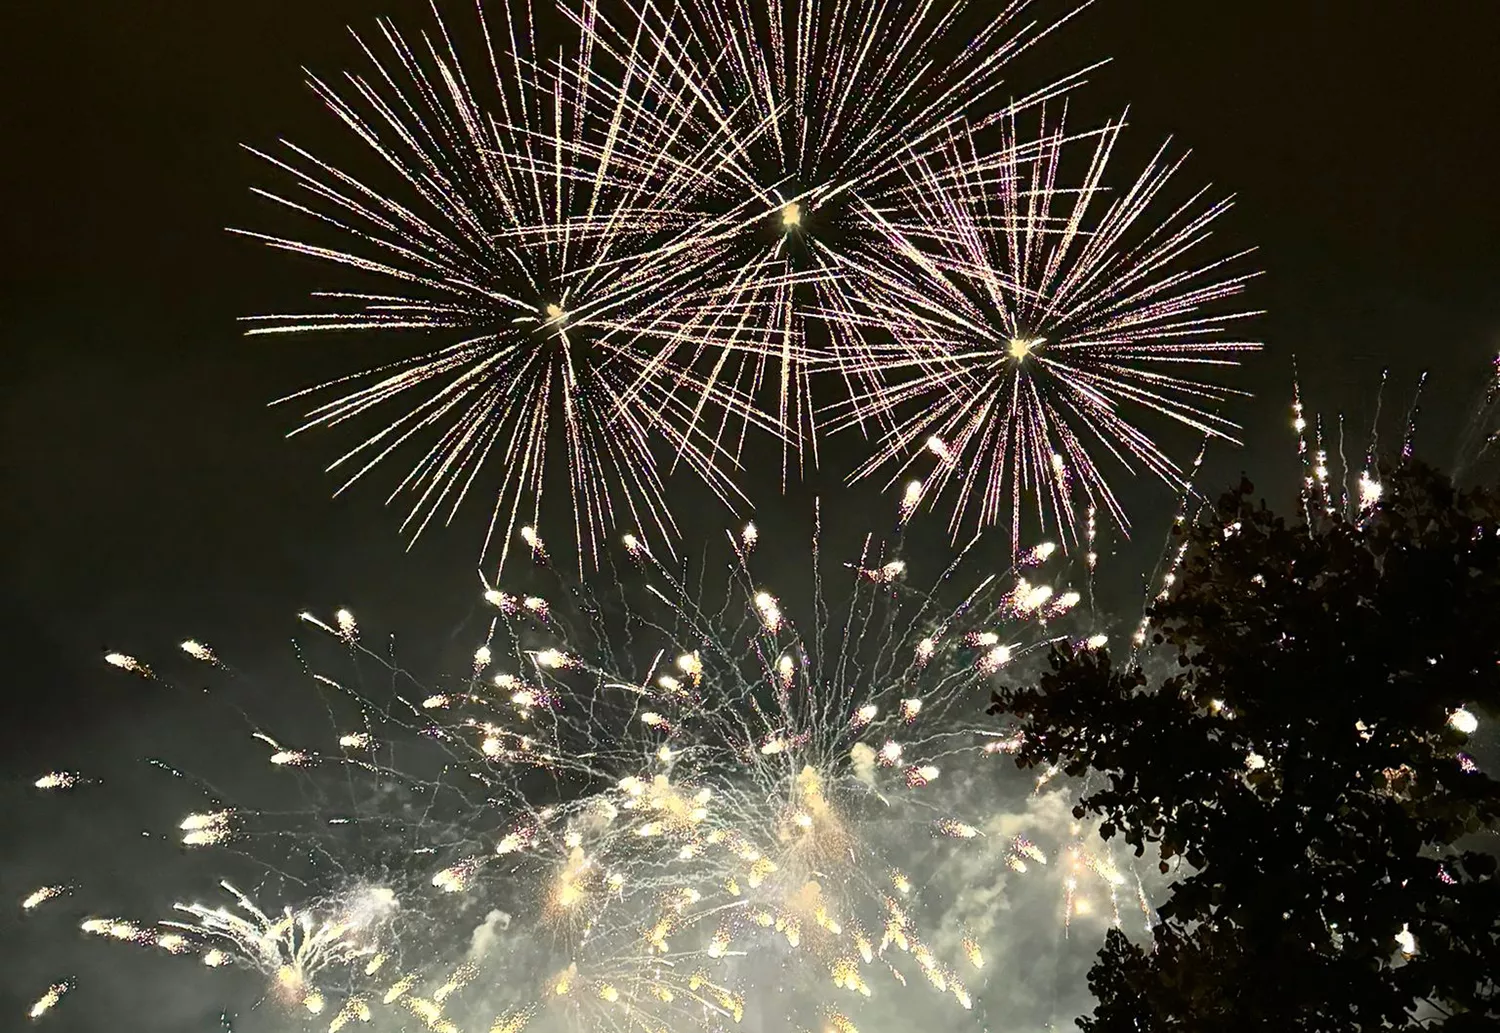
[
  {"x": 1025, "y": 320},
  {"x": 650, "y": 807},
  {"x": 513, "y": 199}
]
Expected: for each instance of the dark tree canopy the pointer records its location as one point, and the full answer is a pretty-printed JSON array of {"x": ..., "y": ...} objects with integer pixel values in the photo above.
[{"x": 1294, "y": 761}]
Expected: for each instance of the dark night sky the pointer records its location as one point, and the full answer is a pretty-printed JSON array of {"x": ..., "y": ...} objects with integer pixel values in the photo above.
[{"x": 147, "y": 494}]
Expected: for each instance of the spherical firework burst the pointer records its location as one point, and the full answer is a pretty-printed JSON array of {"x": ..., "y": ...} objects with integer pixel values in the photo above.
[
  {"x": 1029, "y": 322},
  {"x": 646, "y": 806},
  {"x": 506, "y": 219}
]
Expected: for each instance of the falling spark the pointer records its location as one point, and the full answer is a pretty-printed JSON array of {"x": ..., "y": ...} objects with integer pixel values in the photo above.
[
  {"x": 127, "y": 663},
  {"x": 1463, "y": 721},
  {"x": 207, "y": 829},
  {"x": 41, "y": 896},
  {"x": 198, "y": 651},
  {"x": 49, "y": 1000},
  {"x": 58, "y": 780}
]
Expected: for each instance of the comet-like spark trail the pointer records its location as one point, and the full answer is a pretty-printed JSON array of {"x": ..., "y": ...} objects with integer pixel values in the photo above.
[
  {"x": 648, "y": 807},
  {"x": 1028, "y": 318}
]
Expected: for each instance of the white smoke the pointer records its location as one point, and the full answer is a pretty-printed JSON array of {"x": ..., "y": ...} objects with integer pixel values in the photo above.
[
  {"x": 862, "y": 759},
  {"x": 487, "y": 934}
]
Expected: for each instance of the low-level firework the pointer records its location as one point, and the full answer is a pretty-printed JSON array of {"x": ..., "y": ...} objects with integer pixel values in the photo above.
[{"x": 645, "y": 806}]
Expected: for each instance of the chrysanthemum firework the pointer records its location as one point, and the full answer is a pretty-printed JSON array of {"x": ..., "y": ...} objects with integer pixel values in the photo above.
[
  {"x": 1028, "y": 322},
  {"x": 500, "y": 229},
  {"x": 647, "y": 806}
]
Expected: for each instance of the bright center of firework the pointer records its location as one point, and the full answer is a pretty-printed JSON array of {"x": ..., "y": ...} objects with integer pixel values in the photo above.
[
  {"x": 554, "y": 312},
  {"x": 1020, "y": 347},
  {"x": 791, "y": 215}
]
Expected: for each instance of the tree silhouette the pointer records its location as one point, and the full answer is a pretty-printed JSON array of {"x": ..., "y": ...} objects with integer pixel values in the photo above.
[{"x": 1299, "y": 763}]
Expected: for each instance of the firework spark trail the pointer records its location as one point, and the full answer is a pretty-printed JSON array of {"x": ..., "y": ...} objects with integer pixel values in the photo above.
[
  {"x": 49, "y": 1000},
  {"x": 812, "y": 111},
  {"x": 514, "y": 239},
  {"x": 1477, "y": 442},
  {"x": 1331, "y": 488},
  {"x": 1030, "y": 320},
  {"x": 640, "y": 805}
]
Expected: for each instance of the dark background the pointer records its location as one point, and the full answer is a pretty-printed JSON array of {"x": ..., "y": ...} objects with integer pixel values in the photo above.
[{"x": 146, "y": 493}]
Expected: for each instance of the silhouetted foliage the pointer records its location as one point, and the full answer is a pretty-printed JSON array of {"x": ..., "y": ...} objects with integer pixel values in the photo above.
[{"x": 1294, "y": 762}]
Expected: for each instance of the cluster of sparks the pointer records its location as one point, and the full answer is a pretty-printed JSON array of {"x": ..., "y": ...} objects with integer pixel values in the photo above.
[
  {"x": 648, "y": 828},
  {"x": 1326, "y": 492},
  {"x": 1334, "y": 487},
  {"x": 641, "y": 251}
]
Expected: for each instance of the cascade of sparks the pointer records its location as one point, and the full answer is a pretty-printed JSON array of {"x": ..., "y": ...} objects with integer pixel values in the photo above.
[
  {"x": 635, "y": 254},
  {"x": 660, "y": 822}
]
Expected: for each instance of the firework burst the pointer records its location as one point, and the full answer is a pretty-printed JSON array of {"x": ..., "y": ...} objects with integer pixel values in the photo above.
[
  {"x": 790, "y": 119},
  {"x": 1027, "y": 318},
  {"x": 644, "y": 806},
  {"x": 506, "y": 220}
]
